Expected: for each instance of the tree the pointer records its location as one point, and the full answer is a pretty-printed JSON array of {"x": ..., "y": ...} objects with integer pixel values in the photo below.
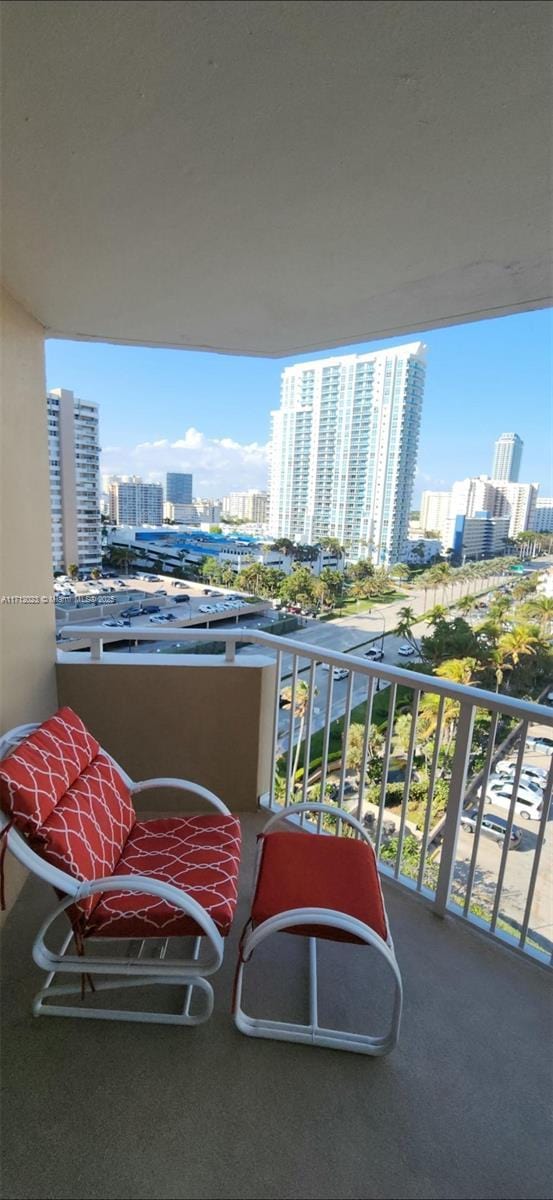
[
  {"x": 541, "y": 607},
  {"x": 466, "y": 604},
  {"x": 404, "y": 628},
  {"x": 122, "y": 557},
  {"x": 400, "y": 571},
  {"x": 301, "y": 704},
  {"x": 356, "y": 743},
  {"x": 333, "y": 546},
  {"x": 437, "y": 614},
  {"x": 402, "y": 733},
  {"x": 328, "y": 586},
  {"x": 298, "y": 587},
  {"x": 305, "y": 553},
  {"x": 283, "y": 545},
  {"x": 459, "y": 670},
  {"x": 96, "y": 573},
  {"x": 73, "y": 571},
  {"x": 518, "y": 643},
  {"x": 211, "y": 569},
  {"x": 261, "y": 580},
  {"x": 215, "y": 529}
]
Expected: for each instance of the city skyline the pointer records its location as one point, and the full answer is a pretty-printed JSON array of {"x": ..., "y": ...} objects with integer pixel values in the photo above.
[{"x": 210, "y": 415}]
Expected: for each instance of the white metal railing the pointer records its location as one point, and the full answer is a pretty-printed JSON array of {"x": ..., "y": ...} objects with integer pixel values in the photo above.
[{"x": 505, "y": 894}]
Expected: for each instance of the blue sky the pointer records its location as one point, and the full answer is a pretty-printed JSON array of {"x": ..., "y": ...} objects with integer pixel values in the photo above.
[{"x": 174, "y": 409}]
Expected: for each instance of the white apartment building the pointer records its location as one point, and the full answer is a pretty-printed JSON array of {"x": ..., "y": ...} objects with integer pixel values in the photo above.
[
  {"x": 344, "y": 450},
  {"x": 507, "y": 457},
  {"x": 516, "y": 501},
  {"x": 181, "y": 514},
  {"x": 74, "y": 455},
  {"x": 133, "y": 502},
  {"x": 434, "y": 512},
  {"x": 207, "y": 510},
  {"x": 248, "y": 506},
  {"x": 421, "y": 550},
  {"x": 542, "y": 520}
]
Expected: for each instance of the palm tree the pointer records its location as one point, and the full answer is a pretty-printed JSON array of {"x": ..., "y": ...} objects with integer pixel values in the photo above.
[
  {"x": 356, "y": 743},
  {"x": 404, "y": 628},
  {"x": 541, "y": 607},
  {"x": 73, "y": 571},
  {"x": 518, "y": 643},
  {"x": 301, "y": 704},
  {"x": 400, "y": 570},
  {"x": 466, "y": 604},
  {"x": 437, "y": 614},
  {"x": 402, "y": 733},
  {"x": 459, "y": 670}
]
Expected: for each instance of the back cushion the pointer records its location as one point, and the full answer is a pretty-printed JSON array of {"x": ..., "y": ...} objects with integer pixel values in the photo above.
[
  {"x": 40, "y": 770},
  {"x": 87, "y": 830}
]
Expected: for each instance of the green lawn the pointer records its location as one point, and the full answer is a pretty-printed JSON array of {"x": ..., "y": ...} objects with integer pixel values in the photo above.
[
  {"x": 359, "y": 606},
  {"x": 358, "y": 714}
]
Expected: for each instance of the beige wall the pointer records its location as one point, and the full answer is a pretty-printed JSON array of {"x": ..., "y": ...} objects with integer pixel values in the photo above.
[
  {"x": 210, "y": 723},
  {"x": 27, "y": 674}
]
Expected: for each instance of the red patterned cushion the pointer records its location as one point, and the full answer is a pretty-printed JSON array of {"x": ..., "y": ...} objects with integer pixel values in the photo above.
[
  {"x": 38, "y": 772},
  {"x": 308, "y": 870},
  {"x": 200, "y": 854},
  {"x": 87, "y": 830}
]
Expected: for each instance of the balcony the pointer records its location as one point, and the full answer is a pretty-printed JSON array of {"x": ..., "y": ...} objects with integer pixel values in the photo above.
[{"x": 119, "y": 1110}]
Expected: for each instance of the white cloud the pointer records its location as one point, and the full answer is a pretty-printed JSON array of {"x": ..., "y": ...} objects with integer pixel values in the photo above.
[{"x": 219, "y": 465}]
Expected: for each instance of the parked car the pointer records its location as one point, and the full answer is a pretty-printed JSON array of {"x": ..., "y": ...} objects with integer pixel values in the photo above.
[
  {"x": 151, "y": 608},
  {"x": 115, "y": 624},
  {"x": 405, "y": 650},
  {"x": 534, "y": 774},
  {"x": 528, "y": 803},
  {"x": 549, "y": 698},
  {"x": 182, "y": 599},
  {"x": 134, "y": 611},
  {"x": 544, "y": 744},
  {"x": 375, "y": 654},
  {"x": 177, "y": 583},
  {"x": 160, "y": 592},
  {"x": 492, "y": 827}
]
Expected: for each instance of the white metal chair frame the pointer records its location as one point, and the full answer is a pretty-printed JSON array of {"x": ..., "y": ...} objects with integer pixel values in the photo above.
[
  {"x": 312, "y": 1033},
  {"x": 130, "y": 970}
]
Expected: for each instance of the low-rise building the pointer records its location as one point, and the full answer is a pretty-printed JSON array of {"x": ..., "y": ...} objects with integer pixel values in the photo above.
[{"x": 480, "y": 536}]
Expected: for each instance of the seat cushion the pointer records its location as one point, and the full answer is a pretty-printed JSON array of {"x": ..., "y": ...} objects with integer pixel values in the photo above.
[
  {"x": 41, "y": 769},
  {"x": 308, "y": 870},
  {"x": 199, "y": 854},
  {"x": 86, "y": 832}
]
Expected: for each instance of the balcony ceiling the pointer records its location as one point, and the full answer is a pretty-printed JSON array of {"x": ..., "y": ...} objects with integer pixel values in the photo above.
[{"x": 269, "y": 178}]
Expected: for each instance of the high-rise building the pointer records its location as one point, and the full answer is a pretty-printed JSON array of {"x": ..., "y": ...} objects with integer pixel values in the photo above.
[
  {"x": 248, "y": 506},
  {"x": 434, "y": 511},
  {"x": 507, "y": 456},
  {"x": 344, "y": 450},
  {"x": 133, "y": 502},
  {"x": 542, "y": 520},
  {"x": 178, "y": 488},
  {"x": 74, "y": 453},
  {"x": 516, "y": 501}
]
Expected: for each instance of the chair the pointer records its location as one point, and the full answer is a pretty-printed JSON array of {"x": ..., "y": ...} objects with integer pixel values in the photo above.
[
  {"x": 67, "y": 815},
  {"x": 318, "y": 886}
]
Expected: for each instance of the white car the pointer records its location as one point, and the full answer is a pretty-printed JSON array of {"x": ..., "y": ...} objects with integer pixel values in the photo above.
[
  {"x": 406, "y": 651},
  {"x": 528, "y": 803},
  {"x": 114, "y": 624},
  {"x": 533, "y": 774},
  {"x": 337, "y": 672}
]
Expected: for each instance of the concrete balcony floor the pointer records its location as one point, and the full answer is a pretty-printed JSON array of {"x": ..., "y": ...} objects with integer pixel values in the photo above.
[{"x": 460, "y": 1109}]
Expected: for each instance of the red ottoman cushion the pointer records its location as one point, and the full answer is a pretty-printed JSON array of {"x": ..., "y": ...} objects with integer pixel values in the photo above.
[{"x": 307, "y": 870}]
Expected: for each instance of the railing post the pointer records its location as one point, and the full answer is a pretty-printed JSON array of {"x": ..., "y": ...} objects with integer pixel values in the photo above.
[
  {"x": 230, "y": 651},
  {"x": 455, "y": 800},
  {"x": 96, "y": 649}
]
